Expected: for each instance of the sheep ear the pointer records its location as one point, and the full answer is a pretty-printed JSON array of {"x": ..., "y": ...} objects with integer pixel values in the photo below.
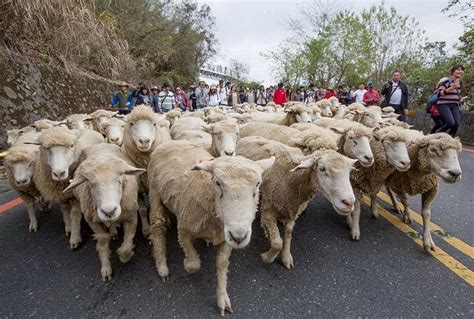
[
  {"x": 61, "y": 123},
  {"x": 203, "y": 166},
  {"x": 130, "y": 170},
  {"x": 87, "y": 119},
  {"x": 338, "y": 130},
  {"x": 32, "y": 142},
  {"x": 266, "y": 163},
  {"x": 299, "y": 141},
  {"x": 207, "y": 128},
  {"x": 75, "y": 182},
  {"x": 376, "y": 129},
  {"x": 305, "y": 164}
]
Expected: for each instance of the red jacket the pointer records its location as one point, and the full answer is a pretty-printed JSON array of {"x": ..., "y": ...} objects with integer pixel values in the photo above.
[
  {"x": 371, "y": 98},
  {"x": 328, "y": 94},
  {"x": 279, "y": 97}
]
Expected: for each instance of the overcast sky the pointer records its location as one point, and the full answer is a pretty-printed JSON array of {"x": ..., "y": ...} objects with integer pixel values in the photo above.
[{"x": 246, "y": 28}]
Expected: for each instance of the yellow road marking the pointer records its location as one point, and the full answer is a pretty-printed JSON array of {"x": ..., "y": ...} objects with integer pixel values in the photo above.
[
  {"x": 451, "y": 263},
  {"x": 457, "y": 243}
]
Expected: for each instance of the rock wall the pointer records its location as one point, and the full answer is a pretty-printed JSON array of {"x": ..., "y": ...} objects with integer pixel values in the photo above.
[
  {"x": 422, "y": 121},
  {"x": 30, "y": 92}
]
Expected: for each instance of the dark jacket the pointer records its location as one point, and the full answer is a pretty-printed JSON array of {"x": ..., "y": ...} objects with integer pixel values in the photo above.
[{"x": 386, "y": 92}]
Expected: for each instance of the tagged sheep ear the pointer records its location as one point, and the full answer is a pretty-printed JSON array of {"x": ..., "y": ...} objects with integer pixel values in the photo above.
[
  {"x": 203, "y": 166},
  {"x": 338, "y": 130},
  {"x": 32, "y": 142},
  {"x": 75, "y": 182},
  {"x": 266, "y": 163},
  {"x": 130, "y": 170},
  {"x": 304, "y": 165}
]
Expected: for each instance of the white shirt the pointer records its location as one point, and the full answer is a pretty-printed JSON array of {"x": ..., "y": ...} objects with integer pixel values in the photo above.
[
  {"x": 396, "y": 97},
  {"x": 222, "y": 94},
  {"x": 359, "y": 95},
  {"x": 214, "y": 99}
]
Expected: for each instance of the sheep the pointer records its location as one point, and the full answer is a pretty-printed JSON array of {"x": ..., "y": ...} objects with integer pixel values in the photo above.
[
  {"x": 17, "y": 135},
  {"x": 316, "y": 111},
  {"x": 391, "y": 121},
  {"x": 113, "y": 129},
  {"x": 225, "y": 135},
  {"x": 221, "y": 212},
  {"x": 99, "y": 117},
  {"x": 390, "y": 154},
  {"x": 216, "y": 117},
  {"x": 106, "y": 186},
  {"x": 20, "y": 166},
  {"x": 173, "y": 115},
  {"x": 60, "y": 150},
  {"x": 186, "y": 123},
  {"x": 291, "y": 183},
  {"x": 293, "y": 114},
  {"x": 140, "y": 137},
  {"x": 43, "y": 124},
  {"x": 266, "y": 109},
  {"x": 370, "y": 117},
  {"x": 432, "y": 157},
  {"x": 325, "y": 106},
  {"x": 196, "y": 135},
  {"x": 77, "y": 121},
  {"x": 283, "y": 134},
  {"x": 241, "y": 118}
]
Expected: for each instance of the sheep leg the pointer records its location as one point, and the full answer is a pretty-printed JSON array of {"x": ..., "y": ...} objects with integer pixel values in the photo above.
[
  {"x": 66, "y": 211},
  {"x": 406, "y": 208},
  {"x": 33, "y": 227},
  {"x": 222, "y": 265},
  {"x": 373, "y": 206},
  {"x": 103, "y": 249},
  {"x": 125, "y": 251},
  {"x": 44, "y": 205},
  {"x": 158, "y": 235},
  {"x": 75, "y": 218},
  {"x": 355, "y": 230},
  {"x": 286, "y": 257},
  {"x": 270, "y": 227},
  {"x": 192, "y": 262},
  {"x": 143, "y": 215},
  {"x": 426, "y": 200},
  {"x": 394, "y": 200}
]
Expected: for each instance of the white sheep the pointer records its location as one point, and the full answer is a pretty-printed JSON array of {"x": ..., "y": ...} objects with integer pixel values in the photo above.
[
  {"x": 292, "y": 114},
  {"x": 432, "y": 157},
  {"x": 113, "y": 130},
  {"x": 26, "y": 133},
  {"x": 20, "y": 166},
  {"x": 173, "y": 115},
  {"x": 106, "y": 187},
  {"x": 99, "y": 117},
  {"x": 77, "y": 121},
  {"x": 370, "y": 116},
  {"x": 221, "y": 212},
  {"x": 186, "y": 123},
  {"x": 291, "y": 183}
]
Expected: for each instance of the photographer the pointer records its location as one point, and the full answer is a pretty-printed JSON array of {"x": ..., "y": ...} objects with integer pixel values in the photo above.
[{"x": 395, "y": 94}]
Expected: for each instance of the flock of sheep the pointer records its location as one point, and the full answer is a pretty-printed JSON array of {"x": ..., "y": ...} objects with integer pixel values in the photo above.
[{"x": 214, "y": 167}]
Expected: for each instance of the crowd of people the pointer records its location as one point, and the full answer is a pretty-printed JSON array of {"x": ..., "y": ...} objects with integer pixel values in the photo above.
[{"x": 444, "y": 106}]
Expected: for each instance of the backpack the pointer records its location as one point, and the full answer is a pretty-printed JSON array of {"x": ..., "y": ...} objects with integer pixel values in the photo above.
[{"x": 434, "y": 99}]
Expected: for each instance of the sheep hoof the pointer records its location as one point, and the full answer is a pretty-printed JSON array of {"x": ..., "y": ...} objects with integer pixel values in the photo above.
[
  {"x": 355, "y": 235},
  {"x": 375, "y": 215},
  {"x": 33, "y": 228},
  {"x": 407, "y": 219},
  {"x": 266, "y": 258},
  {"x": 429, "y": 245},
  {"x": 74, "y": 242},
  {"x": 287, "y": 261},
  {"x": 106, "y": 273},
  {"x": 192, "y": 265},
  {"x": 163, "y": 272},
  {"x": 67, "y": 230},
  {"x": 223, "y": 302},
  {"x": 124, "y": 254}
]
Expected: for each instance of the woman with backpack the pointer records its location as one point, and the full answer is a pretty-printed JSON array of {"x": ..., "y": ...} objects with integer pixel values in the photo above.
[{"x": 449, "y": 101}]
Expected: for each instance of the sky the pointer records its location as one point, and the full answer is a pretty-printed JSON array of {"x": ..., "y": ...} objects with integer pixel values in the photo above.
[{"x": 246, "y": 28}]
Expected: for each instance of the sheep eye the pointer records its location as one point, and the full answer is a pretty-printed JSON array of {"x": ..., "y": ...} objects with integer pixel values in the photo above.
[
  {"x": 71, "y": 146},
  {"x": 154, "y": 124},
  {"x": 258, "y": 184},
  {"x": 322, "y": 169},
  {"x": 218, "y": 184},
  {"x": 131, "y": 124},
  {"x": 355, "y": 142}
]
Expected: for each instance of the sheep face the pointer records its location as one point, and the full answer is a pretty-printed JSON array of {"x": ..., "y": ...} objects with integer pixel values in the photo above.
[
  {"x": 316, "y": 114},
  {"x": 444, "y": 161},
  {"x": 12, "y": 136},
  {"x": 331, "y": 175},
  {"x": 224, "y": 137},
  {"x": 113, "y": 129},
  {"x": 60, "y": 158},
  {"x": 300, "y": 114},
  {"x": 22, "y": 171},
  {"x": 78, "y": 122},
  {"x": 371, "y": 117},
  {"x": 397, "y": 154},
  {"x": 236, "y": 185},
  {"x": 143, "y": 134},
  {"x": 105, "y": 177},
  {"x": 326, "y": 110},
  {"x": 99, "y": 123},
  {"x": 358, "y": 147}
]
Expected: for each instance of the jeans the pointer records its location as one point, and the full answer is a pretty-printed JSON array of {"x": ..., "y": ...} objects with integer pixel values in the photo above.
[
  {"x": 399, "y": 110},
  {"x": 451, "y": 116},
  {"x": 438, "y": 123}
]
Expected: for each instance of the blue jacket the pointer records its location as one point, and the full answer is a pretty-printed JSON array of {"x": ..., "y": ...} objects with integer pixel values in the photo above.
[{"x": 123, "y": 100}]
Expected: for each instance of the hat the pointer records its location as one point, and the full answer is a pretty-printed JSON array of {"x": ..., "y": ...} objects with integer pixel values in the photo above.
[
  {"x": 213, "y": 87},
  {"x": 123, "y": 83},
  {"x": 370, "y": 84},
  {"x": 154, "y": 87}
]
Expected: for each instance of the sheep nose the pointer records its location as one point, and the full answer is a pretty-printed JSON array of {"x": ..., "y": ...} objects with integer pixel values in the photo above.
[
  {"x": 381, "y": 124},
  {"x": 109, "y": 212},
  {"x": 454, "y": 173},
  {"x": 21, "y": 181},
  {"x": 308, "y": 121},
  {"x": 59, "y": 174},
  {"x": 405, "y": 163},
  {"x": 229, "y": 153},
  {"x": 348, "y": 203},
  {"x": 369, "y": 158},
  {"x": 144, "y": 140},
  {"x": 238, "y": 239}
]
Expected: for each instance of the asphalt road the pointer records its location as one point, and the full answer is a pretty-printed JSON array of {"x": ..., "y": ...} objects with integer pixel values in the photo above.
[{"x": 385, "y": 274}]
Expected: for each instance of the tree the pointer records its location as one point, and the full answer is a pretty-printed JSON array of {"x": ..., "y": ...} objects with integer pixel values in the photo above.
[{"x": 239, "y": 68}]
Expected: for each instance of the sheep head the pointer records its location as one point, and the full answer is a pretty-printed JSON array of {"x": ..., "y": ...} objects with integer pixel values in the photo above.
[{"x": 393, "y": 139}]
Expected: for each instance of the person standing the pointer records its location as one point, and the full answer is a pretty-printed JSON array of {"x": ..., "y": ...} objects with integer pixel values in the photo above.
[
  {"x": 144, "y": 96},
  {"x": 269, "y": 94},
  {"x": 279, "y": 97},
  {"x": 202, "y": 95},
  {"x": 329, "y": 93},
  {"x": 251, "y": 96},
  {"x": 181, "y": 99},
  {"x": 395, "y": 94},
  {"x": 343, "y": 95},
  {"x": 123, "y": 98},
  {"x": 242, "y": 95},
  {"x": 192, "y": 97},
  {"x": 310, "y": 94},
  {"x": 222, "y": 91},
  {"x": 233, "y": 97},
  {"x": 166, "y": 100},
  {"x": 214, "y": 98},
  {"x": 261, "y": 96},
  {"x": 449, "y": 101},
  {"x": 154, "y": 101},
  {"x": 358, "y": 95},
  {"x": 371, "y": 97}
]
